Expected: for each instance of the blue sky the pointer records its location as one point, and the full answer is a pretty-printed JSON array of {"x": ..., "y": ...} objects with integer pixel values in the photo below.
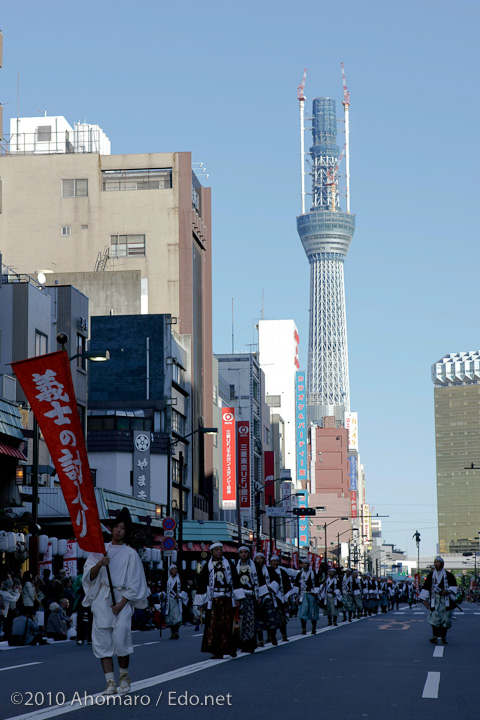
[{"x": 220, "y": 80}]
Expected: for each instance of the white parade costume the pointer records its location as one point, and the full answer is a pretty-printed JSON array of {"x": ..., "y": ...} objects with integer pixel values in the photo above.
[{"x": 111, "y": 634}]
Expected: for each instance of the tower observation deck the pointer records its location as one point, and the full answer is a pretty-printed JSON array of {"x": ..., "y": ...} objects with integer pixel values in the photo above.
[{"x": 326, "y": 232}]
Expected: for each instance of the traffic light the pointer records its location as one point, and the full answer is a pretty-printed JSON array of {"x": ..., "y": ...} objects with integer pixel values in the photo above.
[{"x": 303, "y": 511}]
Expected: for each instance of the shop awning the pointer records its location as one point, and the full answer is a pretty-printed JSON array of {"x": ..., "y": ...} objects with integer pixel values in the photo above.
[
  {"x": 12, "y": 451},
  {"x": 10, "y": 420}
]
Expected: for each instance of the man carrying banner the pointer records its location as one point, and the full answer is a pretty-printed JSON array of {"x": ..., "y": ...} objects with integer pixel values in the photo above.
[{"x": 111, "y": 631}]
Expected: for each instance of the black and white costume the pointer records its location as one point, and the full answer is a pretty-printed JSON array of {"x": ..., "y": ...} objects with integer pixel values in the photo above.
[
  {"x": 439, "y": 591},
  {"x": 284, "y": 592},
  {"x": 219, "y": 589}
]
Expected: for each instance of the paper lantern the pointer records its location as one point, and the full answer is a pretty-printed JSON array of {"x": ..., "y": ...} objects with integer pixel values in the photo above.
[
  {"x": 62, "y": 548},
  {"x": 42, "y": 544}
]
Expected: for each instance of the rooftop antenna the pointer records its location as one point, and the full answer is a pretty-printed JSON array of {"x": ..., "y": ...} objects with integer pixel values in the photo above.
[
  {"x": 346, "y": 105},
  {"x": 301, "y": 99},
  {"x": 233, "y": 334}
]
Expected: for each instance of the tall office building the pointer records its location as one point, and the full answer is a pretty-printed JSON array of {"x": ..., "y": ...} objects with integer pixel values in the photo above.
[
  {"x": 278, "y": 344},
  {"x": 131, "y": 231},
  {"x": 326, "y": 231},
  {"x": 457, "y": 437}
]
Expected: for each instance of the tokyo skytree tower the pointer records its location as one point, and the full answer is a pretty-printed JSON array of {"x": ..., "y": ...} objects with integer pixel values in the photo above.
[{"x": 326, "y": 231}]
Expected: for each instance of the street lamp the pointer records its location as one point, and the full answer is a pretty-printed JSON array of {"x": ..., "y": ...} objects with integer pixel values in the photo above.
[{"x": 325, "y": 528}]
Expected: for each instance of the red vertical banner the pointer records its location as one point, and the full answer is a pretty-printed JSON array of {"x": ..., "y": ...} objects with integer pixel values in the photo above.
[
  {"x": 269, "y": 470},
  {"x": 295, "y": 560},
  {"x": 354, "y": 506},
  {"x": 48, "y": 386},
  {"x": 229, "y": 476},
  {"x": 243, "y": 463}
]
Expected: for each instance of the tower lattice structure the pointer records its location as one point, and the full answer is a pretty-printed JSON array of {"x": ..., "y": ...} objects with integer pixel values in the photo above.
[{"x": 326, "y": 232}]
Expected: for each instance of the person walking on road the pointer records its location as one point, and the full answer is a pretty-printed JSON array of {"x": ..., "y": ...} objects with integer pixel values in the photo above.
[
  {"x": 438, "y": 594},
  {"x": 111, "y": 630},
  {"x": 219, "y": 589},
  {"x": 173, "y": 603},
  {"x": 332, "y": 596},
  {"x": 348, "y": 599},
  {"x": 284, "y": 592},
  {"x": 254, "y": 587},
  {"x": 307, "y": 591}
]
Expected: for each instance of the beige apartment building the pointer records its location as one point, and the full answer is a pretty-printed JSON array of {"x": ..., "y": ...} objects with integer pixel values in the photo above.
[
  {"x": 132, "y": 232},
  {"x": 457, "y": 438}
]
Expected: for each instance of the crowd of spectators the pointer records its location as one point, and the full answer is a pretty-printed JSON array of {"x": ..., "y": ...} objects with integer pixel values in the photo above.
[
  {"x": 48, "y": 608},
  {"x": 43, "y": 609}
]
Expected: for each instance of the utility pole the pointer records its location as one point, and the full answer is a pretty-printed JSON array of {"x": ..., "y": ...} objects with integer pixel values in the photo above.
[{"x": 416, "y": 535}]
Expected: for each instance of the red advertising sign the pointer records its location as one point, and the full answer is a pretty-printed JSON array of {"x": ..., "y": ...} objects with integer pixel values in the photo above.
[
  {"x": 229, "y": 476},
  {"x": 269, "y": 469},
  {"x": 353, "y": 496},
  {"x": 243, "y": 463},
  {"x": 47, "y": 383}
]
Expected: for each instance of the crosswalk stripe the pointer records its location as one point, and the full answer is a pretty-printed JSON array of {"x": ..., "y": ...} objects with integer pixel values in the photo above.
[{"x": 431, "y": 685}]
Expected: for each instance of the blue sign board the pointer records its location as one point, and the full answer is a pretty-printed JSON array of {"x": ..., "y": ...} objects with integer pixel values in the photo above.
[
  {"x": 352, "y": 474},
  {"x": 301, "y": 425}
]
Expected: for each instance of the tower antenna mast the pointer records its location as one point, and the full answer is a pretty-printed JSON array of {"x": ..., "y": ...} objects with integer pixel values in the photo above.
[
  {"x": 301, "y": 99},
  {"x": 346, "y": 106}
]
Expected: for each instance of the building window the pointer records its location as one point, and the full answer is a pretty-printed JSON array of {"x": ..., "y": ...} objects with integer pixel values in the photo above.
[
  {"x": 66, "y": 231},
  {"x": 43, "y": 133},
  {"x": 81, "y": 347},
  {"x": 178, "y": 374},
  {"x": 74, "y": 188},
  {"x": 127, "y": 246},
  {"x": 141, "y": 179},
  {"x": 178, "y": 423},
  {"x": 41, "y": 343}
]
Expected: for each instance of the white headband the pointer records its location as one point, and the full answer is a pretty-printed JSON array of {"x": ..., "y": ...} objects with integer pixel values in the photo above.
[{"x": 216, "y": 544}]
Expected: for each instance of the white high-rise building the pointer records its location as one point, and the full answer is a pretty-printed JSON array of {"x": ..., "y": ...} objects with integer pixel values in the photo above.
[{"x": 278, "y": 348}]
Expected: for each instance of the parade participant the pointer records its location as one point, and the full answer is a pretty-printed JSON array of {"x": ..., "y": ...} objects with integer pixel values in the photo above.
[
  {"x": 348, "y": 600},
  {"x": 218, "y": 588},
  {"x": 394, "y": 595},
  {"x": 374, "y": 594},
  {"x": 357, "y": 593},
  {"x": 366, "y": 586},
  {"x": 410, "y": 592},
  {"x": 307, "y": 591},
  {"x": 383, "y": 589},
  {"x": 111, "y": 630},
  {"x": 332, "y": 596},
  {"x": 438, "y": 594},
  {"x": 267, "y": 616},
  {"x": 173, "y": 603},
  {"x": 340, "y": 574},
  {"x": 254, "y": 586},
  {"x": 285, "y": 591}
]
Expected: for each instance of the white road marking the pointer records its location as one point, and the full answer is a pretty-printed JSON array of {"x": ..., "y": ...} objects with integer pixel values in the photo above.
[
  {"x": 12, "y": 667},
  {"x": 399, "y": 613},
  {"x": 155, "y": 642},
  {"x": 431, "y": 685},
  {"x": 48, "y": 712},
  {"x": 475, "y": 613},
  {"x": 438, "y": 651}
]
